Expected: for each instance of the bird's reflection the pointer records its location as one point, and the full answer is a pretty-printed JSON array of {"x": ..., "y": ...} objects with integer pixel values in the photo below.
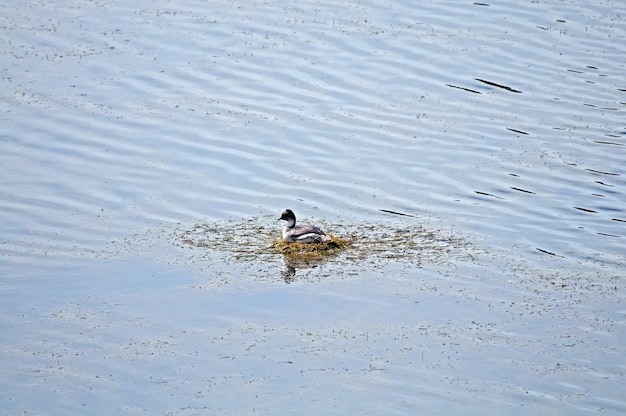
[
  {"x": 293, "y": 264},
  {"x": 288, "y": 274}
]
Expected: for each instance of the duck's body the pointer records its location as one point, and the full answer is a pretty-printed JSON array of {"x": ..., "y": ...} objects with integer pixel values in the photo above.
[{"x": 301, "y": 233}]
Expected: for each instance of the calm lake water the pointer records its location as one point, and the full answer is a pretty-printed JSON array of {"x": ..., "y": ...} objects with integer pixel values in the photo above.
[{"x": 474, "y": 150}]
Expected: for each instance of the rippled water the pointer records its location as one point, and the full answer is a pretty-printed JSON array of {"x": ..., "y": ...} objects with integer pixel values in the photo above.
[{"x": 496, "y": 129}]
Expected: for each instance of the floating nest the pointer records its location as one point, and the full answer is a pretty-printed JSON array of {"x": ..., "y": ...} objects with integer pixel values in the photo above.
[{"x": 311, "y": 251}]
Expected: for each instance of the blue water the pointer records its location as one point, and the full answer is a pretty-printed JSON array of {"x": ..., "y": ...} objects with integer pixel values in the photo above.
[{"x": 497, "y": 129}]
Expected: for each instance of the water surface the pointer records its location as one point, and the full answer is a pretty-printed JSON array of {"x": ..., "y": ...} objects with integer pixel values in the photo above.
[{"x": 495, "y": 129}]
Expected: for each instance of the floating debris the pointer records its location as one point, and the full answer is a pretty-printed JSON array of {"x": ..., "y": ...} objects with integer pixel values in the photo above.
[{"x": 258, "y": 239}]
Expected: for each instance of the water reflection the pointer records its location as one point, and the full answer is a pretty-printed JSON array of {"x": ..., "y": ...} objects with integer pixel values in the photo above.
[
  {"x": 289, "y": 274},
  {"x": 292, "y": 265}
]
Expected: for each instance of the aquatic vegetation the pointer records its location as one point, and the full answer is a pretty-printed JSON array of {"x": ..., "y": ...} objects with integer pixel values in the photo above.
[{"x": 257, "y": 239}]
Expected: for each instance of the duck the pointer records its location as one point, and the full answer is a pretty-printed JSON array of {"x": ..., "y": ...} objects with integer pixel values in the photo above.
[{"x": 301, "y": 233}]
